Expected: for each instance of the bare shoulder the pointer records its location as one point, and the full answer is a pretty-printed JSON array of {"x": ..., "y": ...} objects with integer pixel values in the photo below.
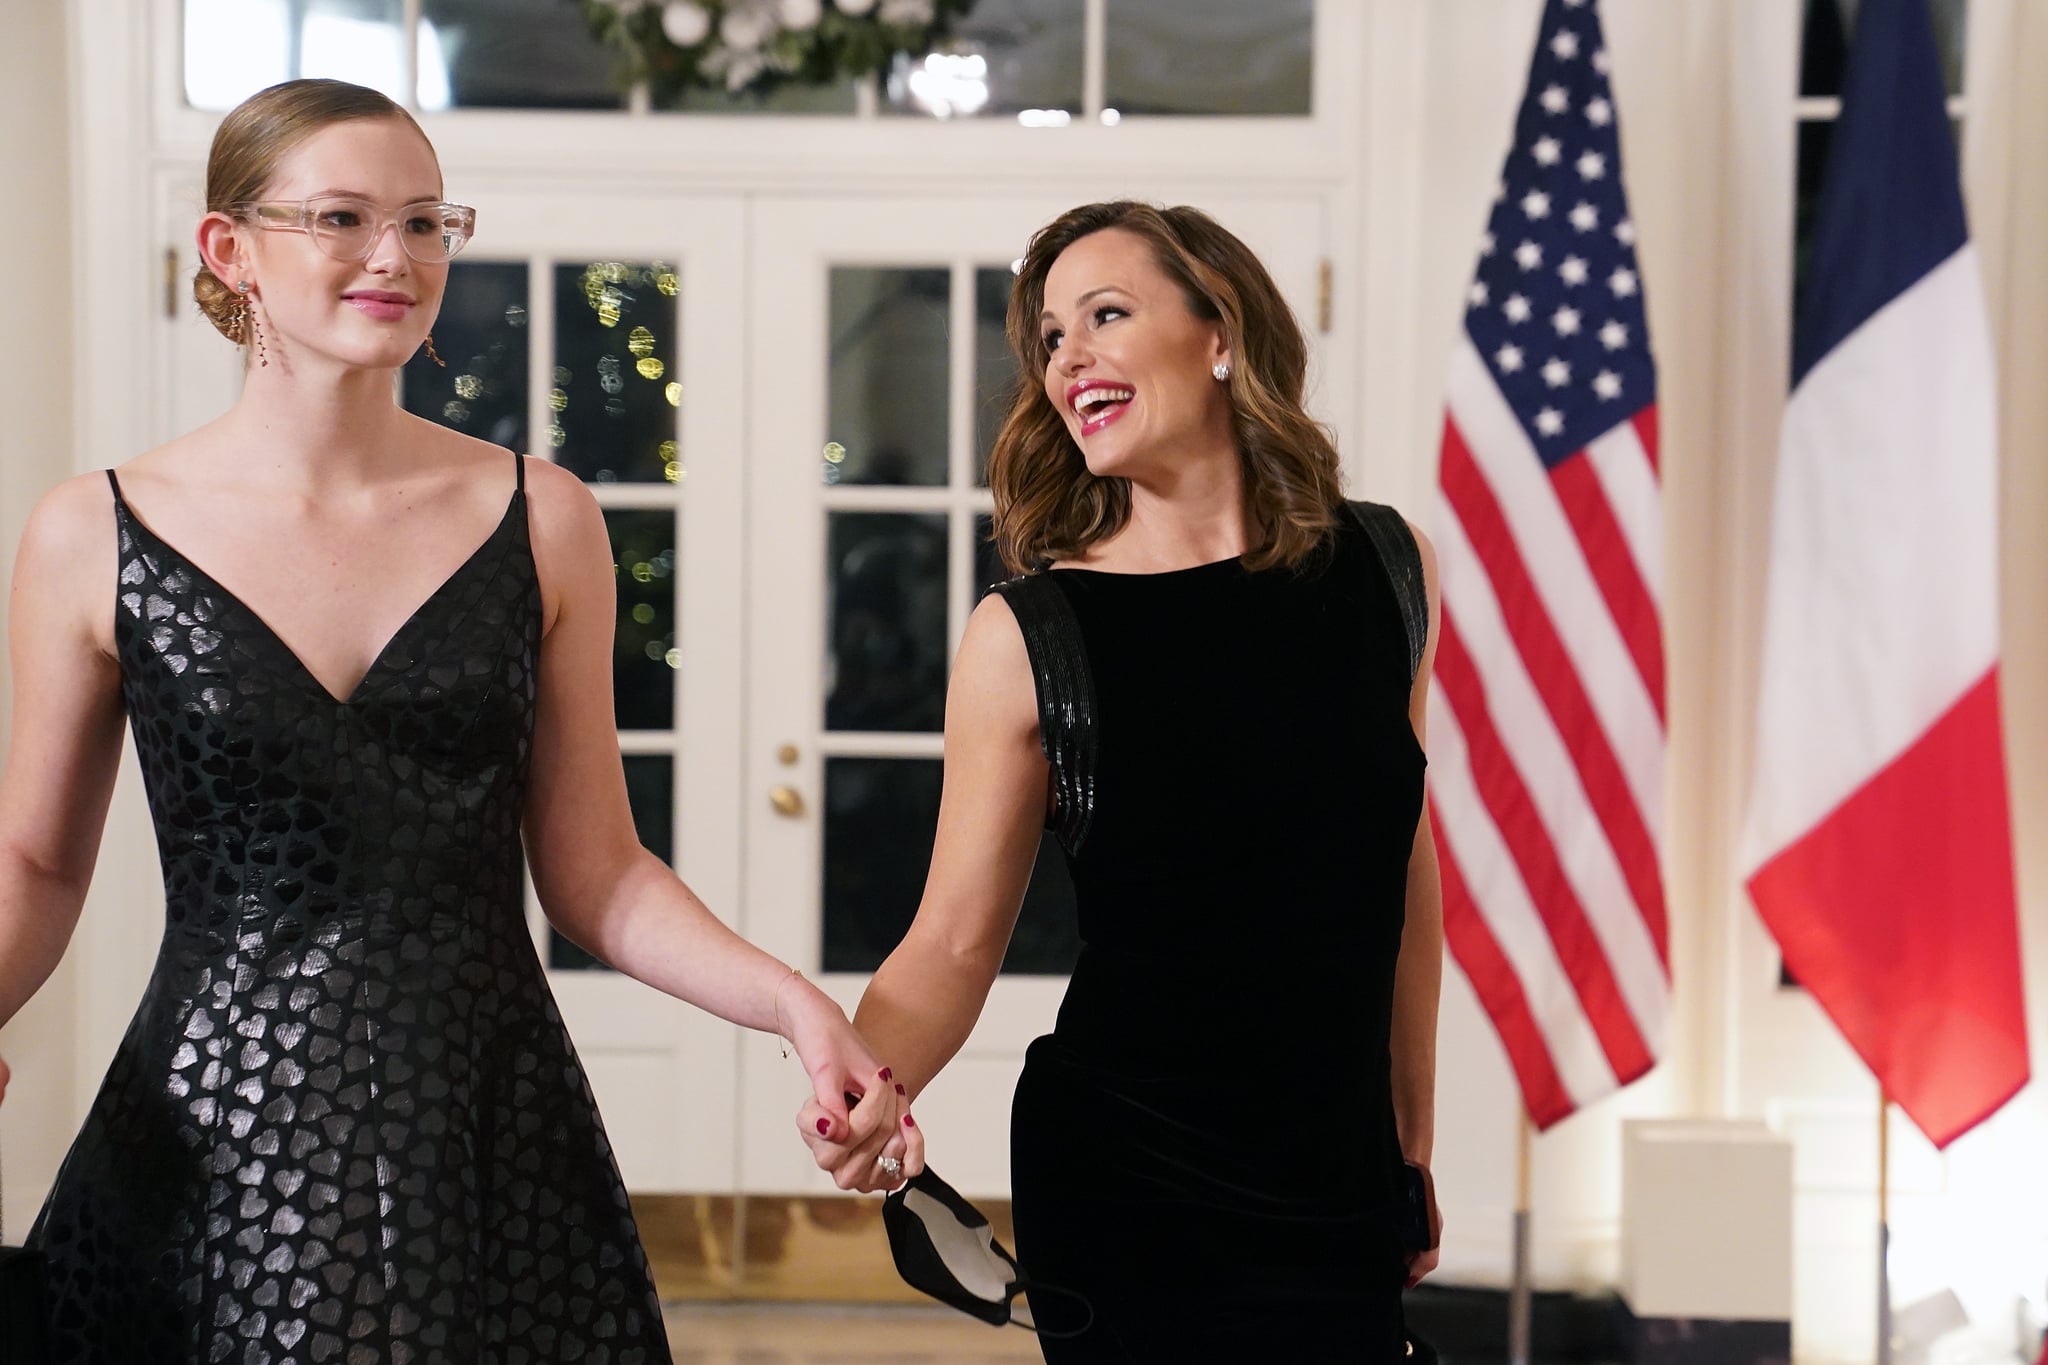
[
  {"x": 1425, "y": 548},
  {"x": 992, "y": 682},
  {"x": 571, "y": 548},
  {"x": 66, "y": 562}
]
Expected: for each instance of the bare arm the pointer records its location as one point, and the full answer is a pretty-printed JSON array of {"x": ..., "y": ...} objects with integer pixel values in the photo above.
[
  {"x": 64, "y": 744},
  {"x": 923, "y": 1001},
  {"x": 597, "y": 884},
  {"x": 1419, "y": 973}
]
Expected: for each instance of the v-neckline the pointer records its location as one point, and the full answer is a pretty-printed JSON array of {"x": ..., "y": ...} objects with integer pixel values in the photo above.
[{"x": 305, "y": 673}]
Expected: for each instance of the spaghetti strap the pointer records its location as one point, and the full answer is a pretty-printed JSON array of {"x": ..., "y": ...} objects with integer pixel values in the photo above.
[
  {"x": 115, "y": 484},
  {"x": 518, "y": 471}
]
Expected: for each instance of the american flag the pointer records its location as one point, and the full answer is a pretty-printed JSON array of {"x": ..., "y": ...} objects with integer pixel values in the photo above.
[{"x": 1546, "y": 719}]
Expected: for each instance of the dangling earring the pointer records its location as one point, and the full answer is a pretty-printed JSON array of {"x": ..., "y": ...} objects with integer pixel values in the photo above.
[
  {"x": 434, "y": 355},
  {"x": 245, "y": 324},
  {"x": 1221, "y": 369}
]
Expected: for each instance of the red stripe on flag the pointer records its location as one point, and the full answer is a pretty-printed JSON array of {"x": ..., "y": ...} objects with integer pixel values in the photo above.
[
  {"x": 1646, "y": 432},
  {"x": 1897, "y": 912},
  {"x": 1499, "y": 990},
  {"x": 1550, "y": 667},
  {"x": 1506, "y": 798},
  {"x": 1614, "y": 569}
]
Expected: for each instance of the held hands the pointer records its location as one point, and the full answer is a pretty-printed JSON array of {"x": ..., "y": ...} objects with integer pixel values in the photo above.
[{"x": 857, "y": 1122}]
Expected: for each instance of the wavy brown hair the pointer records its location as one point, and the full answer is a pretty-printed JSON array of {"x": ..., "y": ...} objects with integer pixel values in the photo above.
[
  {"x": 1049, "y": 507},
  {"x": 254, "y": 137}
]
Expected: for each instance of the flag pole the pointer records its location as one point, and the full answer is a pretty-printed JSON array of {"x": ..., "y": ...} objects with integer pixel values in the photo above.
[
  {"x": 1884, "y": 1228},
  {"x": 1518, "y": 1294}
]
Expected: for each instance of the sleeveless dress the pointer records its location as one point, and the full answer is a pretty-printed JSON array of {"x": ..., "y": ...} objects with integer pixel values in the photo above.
[
  {"x": 1204, "y": 1147},
  {"x": 346, "y": 1124}
]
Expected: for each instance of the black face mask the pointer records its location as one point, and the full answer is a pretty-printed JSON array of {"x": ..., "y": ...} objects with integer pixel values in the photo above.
[{"x": 943, "y": 1246}]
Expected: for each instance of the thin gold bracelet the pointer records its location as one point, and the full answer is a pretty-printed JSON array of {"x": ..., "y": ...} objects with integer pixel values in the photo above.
[{"x": 784, "y": 1037}]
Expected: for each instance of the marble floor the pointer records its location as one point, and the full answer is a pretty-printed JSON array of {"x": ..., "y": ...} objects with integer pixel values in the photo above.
[{"x": 837, "y": 1334}]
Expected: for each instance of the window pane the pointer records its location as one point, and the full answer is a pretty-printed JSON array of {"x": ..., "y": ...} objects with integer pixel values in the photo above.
[
  {"x": 644, "y": 653},
  {"x": 514, "y": 54},
  {"x": 885, "y": 417},
  {"x": 885, "y": 615},
  {"x": 880, "y": 819},
  {"x": 481, "y": 333},
  {"x": 1005, "y": 56},
  {"x": 616, "y": 389},
  {"x": 650, "y": 790},
  {"x": 995, "y": 369},
  {"x": 233, "y": 48},
  {"x": 1209, "y": 56},
  {"x": 1831, "y": 24},
  {"x": 988, "y": 567}
]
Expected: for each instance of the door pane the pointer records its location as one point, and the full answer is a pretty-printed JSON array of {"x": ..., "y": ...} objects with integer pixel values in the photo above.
[
  {"x": 881, "y": 816},
  {"x": 1831, "y": 25},
  {"x": 233, "y": 48},
  {"x": 616, "y": 387},
  {"x": 1209, "y": 57},
  {"x": 650, "y": 790},
  {"x": 514, "y": 54},
  {"x": 987, "y": 567},
  {"x": 644, "y": 653},
  {"x": 885, "y": 646},
  {"x": 886, "y": 404},
  {"x": 995, "y": 369},
  {"x": 1005, "y": 56},
  {"x": 481, "y": 333}
]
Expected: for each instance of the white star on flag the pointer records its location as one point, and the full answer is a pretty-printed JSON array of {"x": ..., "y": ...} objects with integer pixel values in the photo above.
[
  {"x": 1573, "y": 271},
  {"x": 1478, "y": 294},
  {"x": 1528, "y": 255},
  {"x": 1516, "y": 308},
  {"x": 1546, "y": 151},
  {"x": 1625, "y": 232},
  {"x": 1486, "y": 244},
  {"x": 1550, "y": 421},
  {"x": 1607, "y": 384},
  {"x": 1614, "y": 336},
  {"x": 1566, "y": 320},
  {"x": 1592, "y": 166},
  {"x": 1556, "y": 373},
  {"x": 1600, "y": 62},
  {"x": 1585, "y": 217},
  {"x": 1565, "y": 44},
  {"x": 1555, "y": 100},
  {"x": 1536, "y": 204},
  {"x": 1622, "y": 282},
  {"x": 1599, "y": 112},
  {"x": 1509, "y": 358}
]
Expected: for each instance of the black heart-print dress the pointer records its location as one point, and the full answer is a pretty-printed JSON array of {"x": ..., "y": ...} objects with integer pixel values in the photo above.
[{"x": 346, "y": 1124}]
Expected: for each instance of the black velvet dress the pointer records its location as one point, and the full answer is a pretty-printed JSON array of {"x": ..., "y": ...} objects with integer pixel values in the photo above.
[
  {"x": 1204, "y": 1147},
  {"x": 346, "y": 1126}
]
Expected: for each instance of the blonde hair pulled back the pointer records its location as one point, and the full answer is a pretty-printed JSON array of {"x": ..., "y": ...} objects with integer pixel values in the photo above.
[{"x": 255, "y": 136}]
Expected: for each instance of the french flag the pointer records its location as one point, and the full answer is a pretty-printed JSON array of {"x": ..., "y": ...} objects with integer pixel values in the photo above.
[{"x": 1878, "y": 844}]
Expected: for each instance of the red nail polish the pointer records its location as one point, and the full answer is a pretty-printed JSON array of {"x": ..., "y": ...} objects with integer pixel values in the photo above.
[
  {"x": 885, "y": 1073},
  {"x": 900, "y": 1090},
  {"x": 909, "y": 1122},
  {"x": 824, "y": 1127}
]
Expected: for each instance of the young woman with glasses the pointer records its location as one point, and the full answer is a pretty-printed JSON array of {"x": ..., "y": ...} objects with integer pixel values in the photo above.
[
  {"x": 1208, "y": 681},
  {"x": 366, "y": 661}
]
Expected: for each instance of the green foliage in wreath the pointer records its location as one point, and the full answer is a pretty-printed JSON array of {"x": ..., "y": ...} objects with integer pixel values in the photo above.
[{"x": 753, "y": 46}]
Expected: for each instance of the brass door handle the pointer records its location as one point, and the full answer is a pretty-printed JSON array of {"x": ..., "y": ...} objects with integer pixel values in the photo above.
[{"x": 787, "y": 801}]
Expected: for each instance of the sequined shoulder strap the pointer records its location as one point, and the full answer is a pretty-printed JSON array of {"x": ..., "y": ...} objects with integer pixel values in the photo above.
[
  {"x": 1388, "y": 531},
  {"x": 1066, "y": 699}
]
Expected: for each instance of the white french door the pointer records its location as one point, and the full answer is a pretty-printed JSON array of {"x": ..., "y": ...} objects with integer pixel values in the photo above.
[{"x": 877, "y": 376}]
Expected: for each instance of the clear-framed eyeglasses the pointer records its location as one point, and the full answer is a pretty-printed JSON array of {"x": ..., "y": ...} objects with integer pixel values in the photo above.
[{"x": 348, "y": 228}]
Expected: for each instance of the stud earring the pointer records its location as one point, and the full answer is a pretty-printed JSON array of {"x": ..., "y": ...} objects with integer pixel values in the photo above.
[
  {"x": 1221, "y": 369},
  {"x": 432, "y": 354}
]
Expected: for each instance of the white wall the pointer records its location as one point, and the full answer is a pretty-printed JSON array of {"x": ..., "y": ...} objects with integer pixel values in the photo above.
[{"x": 35, "y": 452}]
